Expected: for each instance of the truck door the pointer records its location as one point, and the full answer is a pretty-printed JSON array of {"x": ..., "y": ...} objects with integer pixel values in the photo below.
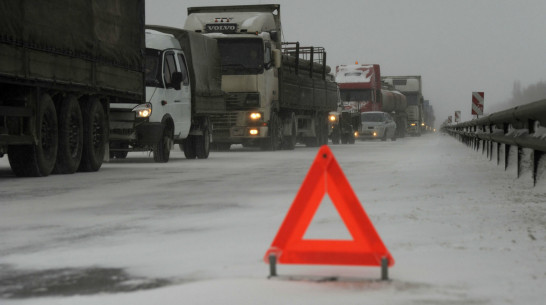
[{"x": 176, "y": 102}]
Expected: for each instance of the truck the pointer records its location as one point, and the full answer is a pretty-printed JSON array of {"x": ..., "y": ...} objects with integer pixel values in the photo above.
[
  {"x": 362, "y": 90},
  {"x": 183, "y": 87},
  {"x": 411, "y": 87},
  {"x": 277, "y": 94},
  {"x": 63, "y": 63},
  {"x": 428, "y": 114}
]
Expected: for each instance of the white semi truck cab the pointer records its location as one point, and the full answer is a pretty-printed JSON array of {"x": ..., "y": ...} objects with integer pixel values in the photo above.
[
  {"x": 249, "y": 40},
  {"x": 275, "y": 96}
]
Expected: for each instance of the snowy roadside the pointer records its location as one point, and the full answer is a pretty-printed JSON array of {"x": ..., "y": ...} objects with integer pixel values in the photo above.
[{"x": 462, "y": 231}]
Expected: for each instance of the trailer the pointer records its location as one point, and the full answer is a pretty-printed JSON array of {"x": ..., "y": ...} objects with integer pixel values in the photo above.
[{"x": 63, "y": 63}]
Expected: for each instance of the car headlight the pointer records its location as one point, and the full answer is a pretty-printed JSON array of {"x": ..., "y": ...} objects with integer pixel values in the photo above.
[
  {"x": 143, "y": 110},
  {"x": 332, "y": 118}
]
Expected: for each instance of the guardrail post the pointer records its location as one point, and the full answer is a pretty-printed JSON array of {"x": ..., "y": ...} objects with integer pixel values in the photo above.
[
  {"x": 506, "y": 155},
  {"x": 520, "y": 156},
  {"x": 491, "y": 150},
  {"x": 537, "y": 154},
  {"x": 498, "y": 153}
]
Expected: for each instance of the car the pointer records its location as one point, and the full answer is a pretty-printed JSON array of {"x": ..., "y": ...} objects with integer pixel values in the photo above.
[{"x": 377, "y": 125}]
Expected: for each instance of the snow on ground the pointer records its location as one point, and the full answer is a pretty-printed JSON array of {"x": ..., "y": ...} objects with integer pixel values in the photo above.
[{"x": 460, "y": 228}]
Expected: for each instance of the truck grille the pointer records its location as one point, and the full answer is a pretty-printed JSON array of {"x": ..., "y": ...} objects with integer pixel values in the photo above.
[{"x": 223, "y": 121}]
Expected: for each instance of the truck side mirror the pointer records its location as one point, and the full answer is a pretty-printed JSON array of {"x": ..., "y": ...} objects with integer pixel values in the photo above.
[
  {"x": 176, "y": 80},
  {"x": 277, "y": 58},
  {"x": 274, "y": 35}
]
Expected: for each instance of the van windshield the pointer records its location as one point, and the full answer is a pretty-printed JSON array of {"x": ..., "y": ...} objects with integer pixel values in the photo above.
[
  {"x": 152, "y": 68},
  {"x": 241, "y": 56}
]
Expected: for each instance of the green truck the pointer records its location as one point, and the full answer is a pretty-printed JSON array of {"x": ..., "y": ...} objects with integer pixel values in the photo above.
[{"x": 62, "y": 63}]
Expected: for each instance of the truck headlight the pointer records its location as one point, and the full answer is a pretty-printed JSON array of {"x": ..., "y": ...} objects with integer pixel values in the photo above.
[
  {"x": 143, "y": 110},
  {"x": 253, "y": 132},
  {"x": 413, "y": 124},
  {"x": 254, "y": 116},
  {"x": 332, "y": 118}
]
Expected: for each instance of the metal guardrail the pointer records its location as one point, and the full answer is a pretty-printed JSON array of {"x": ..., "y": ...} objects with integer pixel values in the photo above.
[{"x": 522, "y": 126}]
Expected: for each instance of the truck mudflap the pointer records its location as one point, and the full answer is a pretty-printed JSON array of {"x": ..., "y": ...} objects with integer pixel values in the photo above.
[{"x": 149, "y": 133}]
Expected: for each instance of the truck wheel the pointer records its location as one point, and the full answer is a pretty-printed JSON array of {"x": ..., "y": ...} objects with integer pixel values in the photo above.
[
  {"x": 162, "y": 149},
  {"x": 274, "y": 138},
  {"x": 94, "y": 135},
  {"x": 351, "y": 138},
  {"x": 336, "y": 135},
  {"x": 38, "y": 160},
  {"x": 202, "y": 145},
  {"x": 189, "y": 147},
  {"x": 69, "y": 153},
  {"x": 289, "y": 142}
]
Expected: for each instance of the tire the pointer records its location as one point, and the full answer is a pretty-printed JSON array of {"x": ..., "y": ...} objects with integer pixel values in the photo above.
[
  {"x": 202, "y": 145},
  {"x": 189, "y": 147},
  {"x": 289, "y": 142},
  {"x": 70, "y": 147},
  {"x": 162, "y": 149},
  {"x": 336, "y": 135},
  {"x": 384, "y": 138},
  {"x": 38, "y": 160},
  {"x": 351, "y": 138},
  {"x": 274, "y": 137},
  {"x": 95, "y": 133}
]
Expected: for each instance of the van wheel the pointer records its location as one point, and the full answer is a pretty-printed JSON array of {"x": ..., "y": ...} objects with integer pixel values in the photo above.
[
  {"x": 94, "y": 135},
  {"x": 162, "y": 150},
  {"x": 38, "y": 160},
  {"x": 70, "y": 148}
]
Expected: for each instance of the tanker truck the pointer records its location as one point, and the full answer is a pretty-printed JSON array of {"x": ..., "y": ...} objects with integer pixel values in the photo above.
[
  {"x": 63, "y": 62},
  {"x": 361, "y": 91},
  {"x": 411, "y": 87},
  {"x": 277, "y": 94}
]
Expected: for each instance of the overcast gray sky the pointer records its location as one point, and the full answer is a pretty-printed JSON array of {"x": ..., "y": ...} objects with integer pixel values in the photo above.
[{"x": 457, "y": 46}]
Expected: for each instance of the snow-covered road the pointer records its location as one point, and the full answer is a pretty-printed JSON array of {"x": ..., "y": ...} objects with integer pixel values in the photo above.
[{"x": 462, "y": 231}]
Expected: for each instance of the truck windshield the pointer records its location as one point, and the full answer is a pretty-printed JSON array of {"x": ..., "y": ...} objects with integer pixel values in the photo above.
[
  {"x": 152, "y": 68},
  {"x": 411, "y": 99},
  {"x": 372, "y": 117},
  {"x": 355, "y": 95},
  {"x": 241, "y": 56}
]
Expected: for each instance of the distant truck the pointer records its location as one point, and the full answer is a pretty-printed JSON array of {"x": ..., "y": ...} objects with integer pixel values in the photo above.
[
  {"x": 277, "y": 94},
  {"x": 362, "y": 91},
  {"x": 411, "y": 87},
  {"x": 183, "y": 86},
  {"x": 62, "y": 64}
]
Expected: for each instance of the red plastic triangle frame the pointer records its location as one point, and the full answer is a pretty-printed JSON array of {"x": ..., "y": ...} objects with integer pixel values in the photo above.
[{"x": 326, "y": 176}]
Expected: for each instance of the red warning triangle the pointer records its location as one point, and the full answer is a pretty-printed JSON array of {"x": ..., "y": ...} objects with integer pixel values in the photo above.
[{"x": 326, "y": 176}]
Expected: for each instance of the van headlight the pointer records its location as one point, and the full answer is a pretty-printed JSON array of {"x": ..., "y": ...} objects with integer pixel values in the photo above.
[{"x": 143, "y": 110}]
